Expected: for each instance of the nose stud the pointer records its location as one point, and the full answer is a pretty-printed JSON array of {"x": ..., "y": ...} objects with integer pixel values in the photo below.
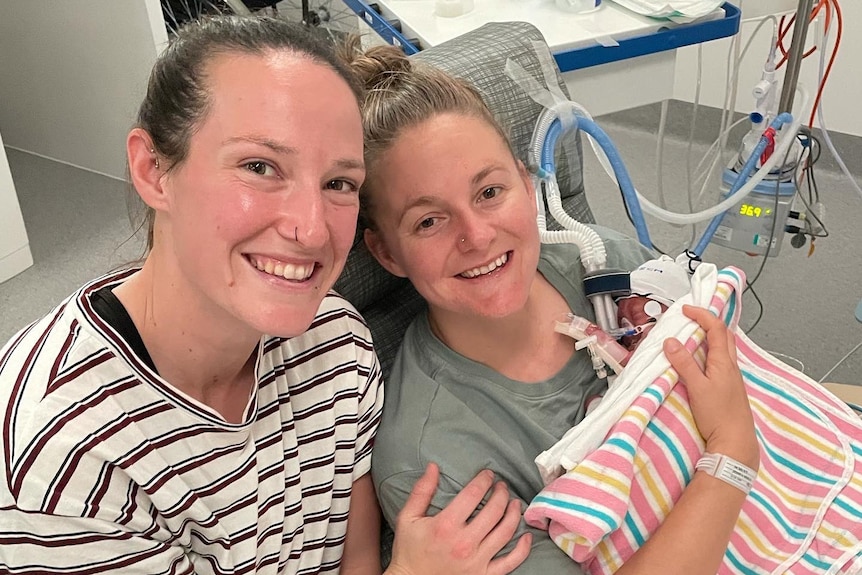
[{"x": 463, "y": 240}]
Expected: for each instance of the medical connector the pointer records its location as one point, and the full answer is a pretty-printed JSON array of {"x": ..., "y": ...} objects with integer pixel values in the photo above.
[
  {"x": 627, "y": 331},
  {"x": 590, "y": 343},
  {"x": 766, "y": 90},
  {"x": 540, "y": 173},
  {"x": 749, "y": 140},
  {"x": 812, "y": 219},
  {"x": 603, "y": 348},
  {"x": 622, "y": 332}
]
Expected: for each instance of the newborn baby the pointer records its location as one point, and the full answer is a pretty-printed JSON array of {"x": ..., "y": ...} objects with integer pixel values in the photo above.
[{"x": 655, "y": 285}]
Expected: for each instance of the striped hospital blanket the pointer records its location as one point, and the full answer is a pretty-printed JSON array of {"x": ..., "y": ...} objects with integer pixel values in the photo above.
[{"x": 619, "y": 472}]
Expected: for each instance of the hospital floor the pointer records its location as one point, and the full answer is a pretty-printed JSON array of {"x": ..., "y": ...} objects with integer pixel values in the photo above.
[{"x": 79, "y": 228}]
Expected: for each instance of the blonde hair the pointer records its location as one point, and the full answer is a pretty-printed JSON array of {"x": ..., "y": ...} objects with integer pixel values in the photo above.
[{"x": 401, "y": 93}]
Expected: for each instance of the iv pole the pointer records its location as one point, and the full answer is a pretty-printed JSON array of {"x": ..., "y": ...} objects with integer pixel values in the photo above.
[{"x": 794, "y": 58}]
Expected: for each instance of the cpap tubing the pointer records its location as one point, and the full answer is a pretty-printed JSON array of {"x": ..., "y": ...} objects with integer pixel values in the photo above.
[
  {"x": 602, "y": 303},
  {"x": 593, "y": 255},
  {"x": 784, "y": 143},
  {"x": 592, "y": 248},
  {"x": 590, "y": 244},
  {"x": 593, "y": 252},
  {"x": 549, "y": 128}
]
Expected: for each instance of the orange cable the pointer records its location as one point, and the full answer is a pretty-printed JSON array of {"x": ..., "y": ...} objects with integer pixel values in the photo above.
[{"x": 782, "y": 30}]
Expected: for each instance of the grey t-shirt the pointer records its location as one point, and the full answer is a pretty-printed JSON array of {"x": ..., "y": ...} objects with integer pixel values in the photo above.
[{"x": 443, "y": 407}]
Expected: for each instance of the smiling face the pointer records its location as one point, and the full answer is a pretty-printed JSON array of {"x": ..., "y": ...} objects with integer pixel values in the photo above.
[
  {"x": 456, "y": 214},
  {"x": 259, "y": 218}
]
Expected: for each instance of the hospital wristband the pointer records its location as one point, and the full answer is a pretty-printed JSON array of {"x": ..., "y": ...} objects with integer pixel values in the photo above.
[{"x": 728, "y": 470}]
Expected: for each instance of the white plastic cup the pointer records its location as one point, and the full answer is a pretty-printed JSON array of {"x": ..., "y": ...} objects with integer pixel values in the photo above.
[
  {"x": 578, "y": 6},
  {"x": 452, "y": 8}
]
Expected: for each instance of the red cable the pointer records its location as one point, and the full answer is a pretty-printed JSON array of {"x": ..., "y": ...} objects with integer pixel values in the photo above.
[{"x": 782, "y": 30}]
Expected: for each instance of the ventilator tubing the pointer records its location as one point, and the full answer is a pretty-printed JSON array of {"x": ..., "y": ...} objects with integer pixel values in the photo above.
[
  {"x": 549, "y": 129},
  {"x": 783, "y": 144},
  {"x": 590, "y": 244},
  {"x": 744, "y": 173}
]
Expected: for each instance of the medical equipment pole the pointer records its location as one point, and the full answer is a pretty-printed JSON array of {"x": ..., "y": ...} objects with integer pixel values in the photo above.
[{"x": 794, "y": 59}]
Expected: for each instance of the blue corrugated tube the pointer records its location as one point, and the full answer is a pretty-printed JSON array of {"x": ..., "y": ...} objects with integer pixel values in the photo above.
[{"x": 622, "y": 175}]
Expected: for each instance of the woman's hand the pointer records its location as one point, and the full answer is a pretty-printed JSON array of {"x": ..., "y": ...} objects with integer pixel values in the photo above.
[
  {"x": 717, "y": 394},
  {"x": 451, "y": 542}
]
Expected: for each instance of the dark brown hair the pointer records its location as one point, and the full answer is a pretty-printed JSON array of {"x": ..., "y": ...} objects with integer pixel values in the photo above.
[{"x": 178, "y": 97}]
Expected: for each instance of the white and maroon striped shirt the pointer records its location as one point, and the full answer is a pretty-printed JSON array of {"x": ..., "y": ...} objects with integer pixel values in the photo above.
[{"x": 107, "y": 468}]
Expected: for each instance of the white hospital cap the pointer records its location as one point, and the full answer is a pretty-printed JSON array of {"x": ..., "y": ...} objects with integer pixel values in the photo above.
[{"x": 661, "y": 279}]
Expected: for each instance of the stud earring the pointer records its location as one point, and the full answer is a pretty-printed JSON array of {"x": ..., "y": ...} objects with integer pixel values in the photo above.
[{"x": 153, "y": 152}]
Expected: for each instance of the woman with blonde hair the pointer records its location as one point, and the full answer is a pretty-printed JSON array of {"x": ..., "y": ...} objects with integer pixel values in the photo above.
[{"x": 482, "y": 380}]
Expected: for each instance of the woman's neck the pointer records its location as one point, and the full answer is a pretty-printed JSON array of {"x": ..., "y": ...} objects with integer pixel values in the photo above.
[
  {"x": 197, "y": 348},
  {"x": 522, "y": 346}
]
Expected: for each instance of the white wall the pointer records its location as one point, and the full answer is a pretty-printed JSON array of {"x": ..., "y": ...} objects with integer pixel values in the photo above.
[
  {"x": 72, "y": 74},
  {"x": 15, "y": 254},
  {"x": 843, "y": 92}
]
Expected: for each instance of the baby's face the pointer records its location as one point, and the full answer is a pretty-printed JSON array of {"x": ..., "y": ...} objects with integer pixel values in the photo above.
[{"x": 638, "y": 311}]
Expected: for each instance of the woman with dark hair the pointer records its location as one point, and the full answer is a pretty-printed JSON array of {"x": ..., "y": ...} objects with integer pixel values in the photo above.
[{"x": 213, "y": 411}]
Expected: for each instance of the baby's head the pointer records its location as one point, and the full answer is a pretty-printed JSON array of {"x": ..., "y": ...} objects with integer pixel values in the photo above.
[{"x": 655, "y": 285}]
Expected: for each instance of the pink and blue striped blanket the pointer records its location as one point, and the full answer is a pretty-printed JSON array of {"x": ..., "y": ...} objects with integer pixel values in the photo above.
[{"x": 616, "y": 475}]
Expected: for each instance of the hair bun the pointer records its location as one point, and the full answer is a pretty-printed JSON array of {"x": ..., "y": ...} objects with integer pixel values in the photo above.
[{"x": 378, "y": 66}]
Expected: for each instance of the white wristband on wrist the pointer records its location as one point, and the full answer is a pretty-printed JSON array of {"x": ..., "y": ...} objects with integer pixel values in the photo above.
[{"x": 728, "y": 470}]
